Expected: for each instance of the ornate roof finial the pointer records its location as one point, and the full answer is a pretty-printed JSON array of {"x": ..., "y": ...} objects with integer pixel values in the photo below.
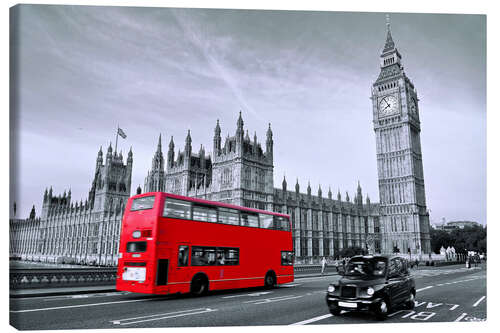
[{"x": 388, "y": 21}]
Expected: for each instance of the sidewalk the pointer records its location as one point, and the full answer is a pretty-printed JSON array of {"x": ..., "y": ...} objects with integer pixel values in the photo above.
[{"x": 42, "y": 292}]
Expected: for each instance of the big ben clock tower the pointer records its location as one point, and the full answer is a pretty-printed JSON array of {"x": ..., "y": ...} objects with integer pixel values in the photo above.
[{"x": 396, "y": 123}]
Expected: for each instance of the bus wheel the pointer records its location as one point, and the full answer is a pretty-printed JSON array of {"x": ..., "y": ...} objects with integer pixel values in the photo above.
[
  {"x": 270, "y": 280},
  {"x": 199, "y": 285}
]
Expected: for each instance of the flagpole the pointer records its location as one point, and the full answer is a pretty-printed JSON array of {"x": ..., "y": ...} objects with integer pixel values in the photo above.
[{"x": 116, "y": 142}]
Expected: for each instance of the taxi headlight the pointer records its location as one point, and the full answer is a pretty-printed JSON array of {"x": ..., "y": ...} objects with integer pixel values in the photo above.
[
  {"x": 331, "y": 288},
  {"x": 370, "y": 291}
]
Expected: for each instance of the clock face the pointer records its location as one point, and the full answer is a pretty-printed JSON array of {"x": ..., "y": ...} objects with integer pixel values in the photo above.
[{"x": 388, "y": 105}]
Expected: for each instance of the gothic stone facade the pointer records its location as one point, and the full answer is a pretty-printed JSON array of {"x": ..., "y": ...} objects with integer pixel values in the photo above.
[
  {"x": 241, "y": 172},
  {"x": 87, "y": 232}
]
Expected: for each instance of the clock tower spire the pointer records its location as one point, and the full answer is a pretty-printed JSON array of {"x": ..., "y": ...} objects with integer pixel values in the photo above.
[{"x": 399, "y": 156}]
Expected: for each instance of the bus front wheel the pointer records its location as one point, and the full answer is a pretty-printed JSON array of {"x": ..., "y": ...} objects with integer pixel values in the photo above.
[
  {"x": 270, "y": 280},
  {"x": 199, "y": 285}
]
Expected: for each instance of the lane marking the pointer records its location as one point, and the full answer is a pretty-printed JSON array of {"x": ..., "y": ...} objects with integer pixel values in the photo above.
[
  {"x": 251, "y": 295},
  {"x": 84, "y": 305},
  {"x": 274, "y": 299},
  {"x": 160, "y": 316},
  {"x": 290, "y": 285},
  {"x": 479, "y": 301},
  {"x": 312, "y": 320},
  {"x": 428, "y": 287},
  {"x": 461, "y": 316}
]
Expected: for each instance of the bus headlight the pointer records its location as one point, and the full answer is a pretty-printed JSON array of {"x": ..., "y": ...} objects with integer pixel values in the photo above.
[
  {"x": 136, "y": 234},
  {"x": 370, "y": 291},
  {"x": 331, "y": 288}
]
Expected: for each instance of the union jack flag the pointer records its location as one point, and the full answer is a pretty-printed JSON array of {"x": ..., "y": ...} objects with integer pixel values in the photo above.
[{"x": 122, "y": 133}]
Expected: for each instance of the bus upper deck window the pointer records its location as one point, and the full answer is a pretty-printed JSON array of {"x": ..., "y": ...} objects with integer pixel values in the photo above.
[
  {"x": 204, "y": 213},
  {"x": 249, "y": 219},
  {"x": 177, "y": 208},
  {"x": 143, "y": 203},
  {"x": 229, "y": 216},
  {"x": 266, "y": 221}
]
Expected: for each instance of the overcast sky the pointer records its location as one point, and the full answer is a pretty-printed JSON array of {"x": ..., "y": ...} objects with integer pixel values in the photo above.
[{"x": 80, "y": 71}]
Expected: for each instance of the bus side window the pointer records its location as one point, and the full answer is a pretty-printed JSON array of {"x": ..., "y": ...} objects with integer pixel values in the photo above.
[
  {"x": 203, "y": 256},
  {"x": 204, "y": 213},
  {"x": 227, "y": 256},
  {"x": 177, "y": 209},
  {"x": 183, "y": 255},
  {"x": 266, "y": 221},
  {"x": 229, "y": 216},
  {"x": 249, "y": 219}
]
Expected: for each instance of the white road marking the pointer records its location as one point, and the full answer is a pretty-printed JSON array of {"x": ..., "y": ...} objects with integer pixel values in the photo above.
[
  {"x": 479, "y": 301},
  {"x": 82, "y": 305},
  {"x": 274, "y": 299},
  {"x": 461, "y": 316},
  {"x": 312, "y": 320},
  {"x": 428, "y": 287},
  {"x": 251, "y": 295},
  {"x": 160, "y": 316},
  {"x": 290, "y": 285}
]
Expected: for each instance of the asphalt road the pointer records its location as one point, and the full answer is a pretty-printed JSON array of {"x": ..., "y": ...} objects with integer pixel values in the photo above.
[{"x": 443, "y": 294}]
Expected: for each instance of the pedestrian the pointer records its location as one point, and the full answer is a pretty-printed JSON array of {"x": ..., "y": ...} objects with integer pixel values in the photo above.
[
  {"x": 416, "y": 262},
  {"x": 323, "y": 265}
]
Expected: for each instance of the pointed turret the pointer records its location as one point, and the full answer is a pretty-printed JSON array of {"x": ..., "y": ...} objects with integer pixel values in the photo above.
[
  {"x": 45, "y": 195},
  {"x": 320, "y": 192},
  {"x": 247, "y": 137},
  {"x": 339, "y": 197},
  {"x": 158, "y": 148},
  {"x": 308, "y": 188},
  {"x": 359, "y": 195},
  {"x": 130, "y": 156},
  {"x": 329, "y": 192},
  {"x": 217, "y": 140},
  {"x": 283, "y": 184},
  {"x": 297, "y": 187},
  {"x": 188, "y": 148},
  {"x": 346, "y": 196},
  {"x": 99, "y": 158},
  {"x": 269, "y": 143},
  {"x": 239, "y": 129},
  {"x": 389, "y": 43},
  {"x": 171, "y": 153}
]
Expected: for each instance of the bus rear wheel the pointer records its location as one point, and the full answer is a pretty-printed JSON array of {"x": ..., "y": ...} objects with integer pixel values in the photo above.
[
  {"x": 199, "y": 285},
  {"x": 270, "y": 280}
]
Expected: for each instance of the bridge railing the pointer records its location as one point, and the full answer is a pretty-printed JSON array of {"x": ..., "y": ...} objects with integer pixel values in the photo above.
[
  {"x": 61, "y": 277},
  {"x": 72, "y": 277}
]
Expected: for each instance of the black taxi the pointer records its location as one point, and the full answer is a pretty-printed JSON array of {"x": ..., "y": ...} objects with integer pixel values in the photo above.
[{"x": 376, "y": 284}]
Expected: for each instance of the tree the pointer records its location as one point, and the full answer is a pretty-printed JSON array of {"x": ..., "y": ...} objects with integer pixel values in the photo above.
[
  {"x": 466, "y": 239},
  {"x": 351, "y": 251}
]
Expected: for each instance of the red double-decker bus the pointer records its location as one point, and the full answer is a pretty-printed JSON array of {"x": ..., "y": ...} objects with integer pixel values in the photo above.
[{"x": 175, "y": 244}]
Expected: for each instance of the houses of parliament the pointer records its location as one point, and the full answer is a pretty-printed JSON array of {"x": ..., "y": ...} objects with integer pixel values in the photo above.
[{"x": 239, "y": 170}]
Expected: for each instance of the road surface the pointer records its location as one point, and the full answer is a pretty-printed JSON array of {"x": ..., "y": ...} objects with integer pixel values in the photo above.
[{"x": 443, "y": 294}]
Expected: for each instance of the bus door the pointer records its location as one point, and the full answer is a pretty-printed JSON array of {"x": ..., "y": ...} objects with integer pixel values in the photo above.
[
  {"x": 162, "y": 265},
  {"x": 182, "y": 269}
]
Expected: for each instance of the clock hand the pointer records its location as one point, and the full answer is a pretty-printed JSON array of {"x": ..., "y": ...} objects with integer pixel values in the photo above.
[{"x": 388, "y": 105}]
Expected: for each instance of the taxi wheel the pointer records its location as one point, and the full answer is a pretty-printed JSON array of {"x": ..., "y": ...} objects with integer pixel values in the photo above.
[
  {"x": 382, "y": 309},
  {"x": 335, "y": 311},
  {"x": 410, "y": 304}
]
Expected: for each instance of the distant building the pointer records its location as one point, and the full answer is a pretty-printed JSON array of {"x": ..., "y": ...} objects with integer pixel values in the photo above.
[
  {"x": 460, "y": 225},
  {"x": 79, "y": 232}
]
